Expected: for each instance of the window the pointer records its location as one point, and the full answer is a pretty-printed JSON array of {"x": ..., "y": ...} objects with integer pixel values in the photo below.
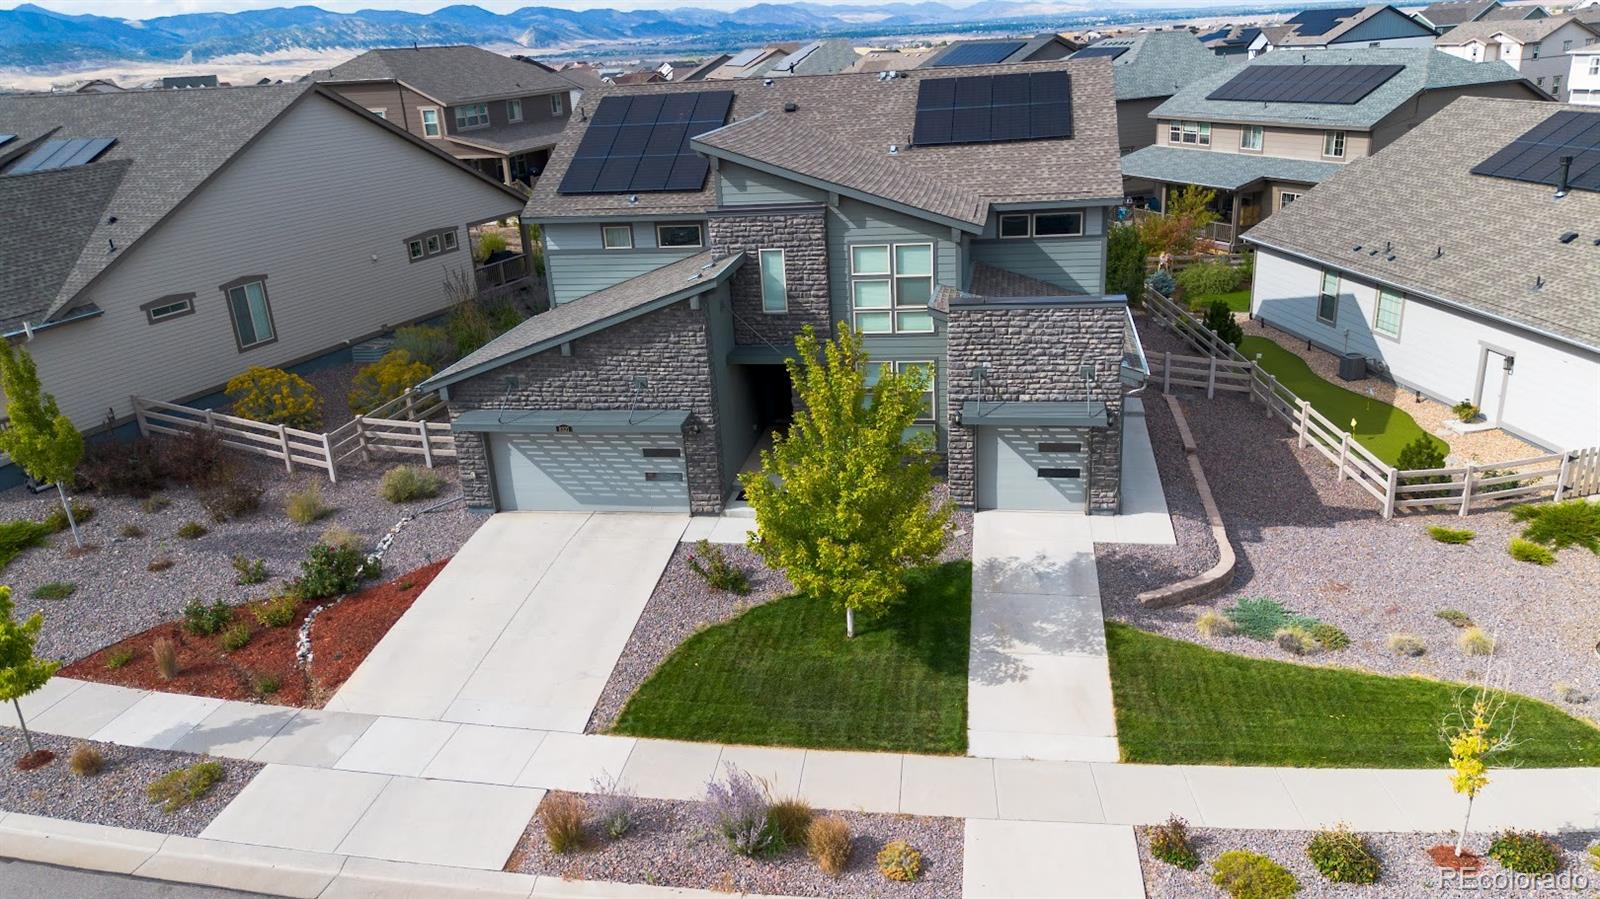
[
  {"x": 381, "y": 112},
  {"x": 513, "y": 110},
  {"x": 252, "y": 317},
  {"x": 890, "y": 286},
  {"x": 678, "y": 236},
  {"x": 1057, "y": 473},
  {"x": 774, "y": 282},
  {"x": 1534, "y": 50},
  {"x": 430, "y": 120},
  {"x": 1555, "y": 85},
  {"x": 449, "y": 238},
  {"x": 1016, "y": 226},
  {"x": 1539, "y": 81},
  {"x": 874, "y": 371},
  {"x": 1190, "y": 133},
  {"x": 1287, "y": 197},
  {"x": 616, "y": 237},
  {"x": 431, "y": 243},
  {"x": 558, "y": 105},
  {"x": 1061, "y": 447},
  {"x": 1594, "y": 66},
  {"x": 1250, "y": 137},
  {"x": 1333, "y": 144},
  {"x": 1328, "y": 299},
  {"x": 1386, "y": 316},
  {"x": 473, "y": 115},
  {"x": 172, "y": 306},
  {"x": 1566, "y": 46},
  {"x": 1058, "y": 224}
]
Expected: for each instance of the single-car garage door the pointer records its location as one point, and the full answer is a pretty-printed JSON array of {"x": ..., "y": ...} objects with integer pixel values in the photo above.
[
  {"x": 1032, "y": 468},
  {"x": 589, "y": 472}
]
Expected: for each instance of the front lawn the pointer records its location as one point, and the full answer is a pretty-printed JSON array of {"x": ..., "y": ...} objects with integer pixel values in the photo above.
[
  {"x": 784, "y": 674},
  {"x": 1237, "y": 300},
  {"x": 1380, "y": 427},
  {"x": 1179, "y": 703}
]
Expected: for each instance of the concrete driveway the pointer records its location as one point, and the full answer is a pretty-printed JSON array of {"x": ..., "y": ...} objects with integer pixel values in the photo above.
[{"x": 524, "y": 625}]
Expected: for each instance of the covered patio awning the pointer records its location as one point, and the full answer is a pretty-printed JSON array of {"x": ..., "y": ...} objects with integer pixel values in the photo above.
[
  {"x": 1225, "y": 171},
  {"x": 1068, "y": 414},
  {"x": 571, "y": 421}
]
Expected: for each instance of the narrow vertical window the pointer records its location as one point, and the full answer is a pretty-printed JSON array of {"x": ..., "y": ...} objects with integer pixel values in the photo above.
[
  {"x": 1328, "y": 299},
  {"x": 774, "y": 282}
]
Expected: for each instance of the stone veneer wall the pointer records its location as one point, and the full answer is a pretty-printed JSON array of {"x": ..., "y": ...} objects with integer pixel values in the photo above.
[
  {"x": 801, "y": 232},
  {"x": 670, "y": 347},
  {"x": 1034, "y": 354}
]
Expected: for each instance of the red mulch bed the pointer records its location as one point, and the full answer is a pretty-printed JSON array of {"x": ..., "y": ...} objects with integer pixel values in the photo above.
[
  {"x": 341, "y": 637},
  {"x": 1445, "y": 856},
  {"x": 35, "y": 759}
]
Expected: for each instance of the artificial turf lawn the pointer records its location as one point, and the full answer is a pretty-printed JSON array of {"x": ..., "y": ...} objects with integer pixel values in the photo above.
[
  {"x": 1380, "y": 427},
  {"x": 784, "y": 673},
  {"x": 1179, "y": 703},
  {"x": 1237, "y": 300}
]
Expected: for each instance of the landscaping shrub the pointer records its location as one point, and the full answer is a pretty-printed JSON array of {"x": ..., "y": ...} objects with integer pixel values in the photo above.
[
  {"x": 828, "y": 841},
  {"x": 1260, "y": 618},
  {"x": 404, "y": 483},
  {"x": 1496, "y": 488},
  {"x": 899, "y": 861},
  {"x": 54, "y": 590},
  {"x": 155, "y": 504},
  {"x": 132, "y": 531},
  {"x": 264, "y": 685},
  {"x": 738, "y": 809},
  {"x": 1342, "y": 856},
  {"x": 118, "y": 657},
  {"x": 1594, "y": 856},
  {"x": 489, "y": 243},
  {"x": 122, "y": 467},
  {"x": 1295, "y": 640},
  {"x": 341, "y": 538},
  {"x": 191, "y": 459},
  {"x": 1454, "y": 536},
  {"x": 1455, "y": 617},
  {"x": 1575, "y": 522},
  {"x": 86, "y": 761},
  {"x": 248, "y": 572},
  {"x": 165, "y": 654},
  {"x": 1528, "y": 551},
  {"x": 1161, "y": 282},
  {"x": 236, "y": 638},
  {"x": 1525, "y": 852},
  {"x": 16, "y": 536},
  {"x": 1206, "y": 278},
  {"x": 1329, "y": 637},
  {"x": 561, "y": 813},
  {"x": 331, "y": 571},
  {"x": 203, "y": 620},
  {"x": 468, "y": 326},
  {"x": 387, "y": 379},
  {"x": 1212, "y": 623},
  {"x": 427, "y": 344},
  {"x": 1474, "y": 641},
  {"x": 161, "y": 564},
  {"x": 791, "y": 818},
  {"x": 1220, "y": 321},
  {"x": 1169, "y": 842},
  {"x": 57, "y": 521},
  {"x": 1422, "y": 453},
  {"x": 613, "y": 806},
  {"x": 230, "y": 496},
  {"x": 1249, "y": 875},
  {"x": 306, "y": 505},
  {"x": 276, "y": 397},
  {"x": 710, "y": 562},
  {"x": 178, "y": 788},
  {"x": 1125, "y": 259},
  {"x": 1466, "y": 410},
  {"x": 1406, "y": 645},
  {"x": 275, "y": 612}
]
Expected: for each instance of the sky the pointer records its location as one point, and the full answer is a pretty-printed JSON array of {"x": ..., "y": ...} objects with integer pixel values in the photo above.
[{"x": 147, "y": 9}]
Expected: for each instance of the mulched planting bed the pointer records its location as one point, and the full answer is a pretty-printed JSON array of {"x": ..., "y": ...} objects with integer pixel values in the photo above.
[
  {"x": 341, "y": 637},
  {"x": 115, "y": 796},
  {"x": 672, "y": 844},
  {"x": 1405, "y": 872}
]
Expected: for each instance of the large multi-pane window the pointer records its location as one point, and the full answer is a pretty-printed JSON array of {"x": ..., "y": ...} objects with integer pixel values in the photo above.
[
  {"x": 1333, "y": 144},
  {"x": 252, "y": 318},
  {"x": 1250, "y": 137},
  {"x": 1328, "y": 299},
  {"x": 430, "y": 120},
  {"x": 774, "y": 283},
  {"x": 472, "y": 115},
  {"x": 890, "y": 287},
  {"x": 875, "y": 370},
  {"x": 1386, "y": 316},
  {"x": 1190, "y": 133}
]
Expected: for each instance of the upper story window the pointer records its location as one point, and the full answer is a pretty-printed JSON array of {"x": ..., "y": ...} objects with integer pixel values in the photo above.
[
  {"x": 679, "y": 236},
  {"x": 381, "y": 112},
  {"x": 558, "y": 105},
  {"x": 1555, "y": 85},
  {"x": 430, "y": 120},
  {"x": 1333, "y": 144},
  {"x": 252, "y": 316},
  {"x": 1566, "y": 46},
  {"x": 1042, "y": 224},
  {"x": 1287, "y": 197},
  {"x": 1386, "y": 314},
  {"x": 473, "y": 115},
  {"x": 1198, "y": 133},
  {"x": 890, "y": 286},
  {"x": 168, "y": 307},
  {"x": 874, "y": 371},
  {"x": 617, "y": 237},
  {"x": 1594, "y": 66},
  {"x": 1251, "y": 138},
  {"x": 774, "y": 282},
  {"x": 1533, "y": 51},
  {"x": 513, "y": 110},
  {"x": 1328, "y": 299}
]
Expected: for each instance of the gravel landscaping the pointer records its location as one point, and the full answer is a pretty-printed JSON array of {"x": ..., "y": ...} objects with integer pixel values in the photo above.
[
  {"x": 115, "y": 796},
  {"x": 1318, "y": 546},
  {"x": 1405, "y": 870},
  {"x": 672, "y": 844}
]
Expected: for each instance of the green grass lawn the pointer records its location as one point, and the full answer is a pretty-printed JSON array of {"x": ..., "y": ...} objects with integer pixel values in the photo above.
[
  {"x": 1380, "y": 427},
  {"x": 1238, "y": 301},
  {"x": 784, "y": 674},
  {"x": 1179, "y": 703}
]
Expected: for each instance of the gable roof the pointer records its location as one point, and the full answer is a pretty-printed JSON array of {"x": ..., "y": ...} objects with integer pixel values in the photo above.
[
  {"x": 840, "y": 132},
  {"x": 1322, "y": 27},
  {"x": 1425, "y": 69},
  {"x": 1523, "y": 31},
  {"x": 1457, "y": 12},
  {"x": 1028, "y": 48},
  {"x": 1158, "y": 63},
  {"x": 452, "y": 75},
  {"x": 1226, "y": 171},
  {"x": 1513, "y": 13},
  {"x": 816, "y": 58},
  {"x": 1432, "y": 222}
]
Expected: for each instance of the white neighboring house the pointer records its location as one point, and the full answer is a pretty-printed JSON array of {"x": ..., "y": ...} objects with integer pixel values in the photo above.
[
  {"x": 1583, "y": 80},
  {"x": 1395, "y": 259},
  {"x": 1536, "y": 48}
]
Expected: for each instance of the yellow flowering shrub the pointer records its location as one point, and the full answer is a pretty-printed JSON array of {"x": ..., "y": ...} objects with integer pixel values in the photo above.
[
  {"x": 277, "y": 397},
  {"x": 386, "y": 379}
]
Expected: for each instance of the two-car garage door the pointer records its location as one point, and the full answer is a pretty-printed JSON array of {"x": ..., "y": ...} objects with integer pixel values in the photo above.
[
  {"x": 589, "y": 472},
  {"x": 1033, "y": 468}
]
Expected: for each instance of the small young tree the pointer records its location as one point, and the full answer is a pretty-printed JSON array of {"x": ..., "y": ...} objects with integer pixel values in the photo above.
[
  {"x": 1476, "y": 734},
  {"x": 40, "y": 439},
  {"x": 1188, "y": 213},
  {"x": 1125, "y": 262},
  {"x": 842, "y": 501},
  {"x": 21, "y": 672}
]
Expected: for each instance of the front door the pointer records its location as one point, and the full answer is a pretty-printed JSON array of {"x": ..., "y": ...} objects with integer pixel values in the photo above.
[{"x": 1494, "y": 380}]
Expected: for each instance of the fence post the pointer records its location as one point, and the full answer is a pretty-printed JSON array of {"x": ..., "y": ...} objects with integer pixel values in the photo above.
[
  {"x": 1250, "y": 382},
  {"x": 1211, "y": 380},
  {"x": 1388, "y": 494},
  {"x": 427, "y": 443},
  {"x": 1304, "y": 422},
  {"x": 1166, "y": 372},
  {"x": 138, "y": 416},
  {"x": 361, "y": 438},
  {"x": 1272, "y": 392},
  {"x": 1344, "y": 453},
  {"x": 327, "y": 453},
  {"x": 1561, "y": 476},
  {"x": 1466, "y": 490},
  {"x": 283, "y": 441},
  {"x": 211, "y": 420},
  {"x": 411, "y": 402}
]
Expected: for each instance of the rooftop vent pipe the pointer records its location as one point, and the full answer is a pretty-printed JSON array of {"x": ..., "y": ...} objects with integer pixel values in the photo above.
[
  {"x": 790, "y": 106},
  {"x": 1566, "y": 169}
]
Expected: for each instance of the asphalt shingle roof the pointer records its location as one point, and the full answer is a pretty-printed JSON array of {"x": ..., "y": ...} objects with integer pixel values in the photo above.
[
  {"x": 452, "y": 75},
  {"x": 1160, "y": 63},
  {"x": 1523, "y": 31},
  {"x": 1419, "y": 198},
  {"x": 1222, "y": 170},
  {"x": 38, "y": 251},
  {"x": 1456, "y": 12},
  {"x": 518, "y": 137},
  {"x": 1358, "y": 15},
  {"x": 816, "y": 58}
]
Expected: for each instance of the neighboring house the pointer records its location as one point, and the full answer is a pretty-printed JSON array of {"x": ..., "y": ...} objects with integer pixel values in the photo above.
[
  {"x": 1537, "y": 48},
  {"x": 1148, "y": 69},
  {"x": 1238, "y": 131},
  {"x": 892, "y": 60},
  {"x": 149, "y": 251},
  {"x": 650, "y": 76},
  {"x": 816, "y": 58},
  {"x": 750, "y": 62},
  {"x": 1584, "y": 80},
  {"x": 1450, "y": 301},
  {"x": 1231, "y": 40},
  {"x": 1453, "y": 13},
  {"x": 957, "y": 241},
  {"x": 497, "y": 114},
  {"x": 98, "y": 86},
  {"x": 699, "y": 72},
  {"x": 1344, "y": 28},
  {"x": 188, "y": 82},
  {"x": 676, "y": 67},
  {"x": 1045, "y": 46}
]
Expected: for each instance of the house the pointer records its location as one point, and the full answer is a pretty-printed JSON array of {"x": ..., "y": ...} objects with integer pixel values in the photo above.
[
  {"x": 1231, "y": 40},
  {"x": 189, "y": 82},
  {"x": 892, "y": 60},
  {"x": 1047, "y": 45},
  {"x": 816, "y": 58},
  {"x": 149, "y": 251},
  {"x": 98, "y": 86},
  {"x": 699, "y": 72},
  {"x": 1263, "y": 134},
  {"x": 1446, "y": 300},
  {"x": 1452, "y": 13},
  {"x": 497, "y": 114},
  {"x": 751, "y": 62},
  {"x": 956, "y": 240},
  {"x": 1149, "y": 68},
  {"x": 1344, "y": 28},
  {"x": 1584, "y": 77},
  {"x": 648, "y": 76},
  {"x": 676, "y": 67},
  {"x": 1537, "y": 48}
]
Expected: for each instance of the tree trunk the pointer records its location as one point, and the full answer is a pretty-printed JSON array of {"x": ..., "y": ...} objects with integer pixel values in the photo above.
[
  {"x": 849, "y": 622},
  {"x": 1461, "y": 838},
  {"x": 26, "y": 737},
  {"x": 67, "y": 507}
]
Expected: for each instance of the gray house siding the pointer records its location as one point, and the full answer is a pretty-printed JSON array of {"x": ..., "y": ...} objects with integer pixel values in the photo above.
[
  {"x": 577, "y": 265},
  {"x": 741, "y": 186},
  {"x": 736, "y": 423},
  {"x": 1135, "y": 128},
  {"x": 1386, "y": 25},
  {"x": 1076, "y": 264}
]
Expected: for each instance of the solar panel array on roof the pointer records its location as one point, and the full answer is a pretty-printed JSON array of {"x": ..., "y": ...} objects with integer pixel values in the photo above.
[
  {"x": 1215, "y": 35},
  {"x": 640, "y": 144},
  {"x": 979, "y": 54},
  {"x": 62, "y": 154},
  {"x": 745, "y": 57},
  {"x": 1536, "y": 156},
  {"x": 1112, "y": 52},
  {"x": 788, "y": 63},
  {"x": 1321, "y": 21},
  {"x": 992, "y": 108},
  {"x": 1305, "y": 83}
]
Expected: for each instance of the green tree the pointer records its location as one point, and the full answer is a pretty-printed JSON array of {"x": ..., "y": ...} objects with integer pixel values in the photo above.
[
  {"x": 1188, "y": 213},
  {"x": 842, "y": 501},
  {"x": 1125, "y": 261},
  {"x": 21, "y": 672},
  {"x": 1475, "y": 735},
  {"x": 39, "y": 439},
  {"x": 1220, "y": 321}
]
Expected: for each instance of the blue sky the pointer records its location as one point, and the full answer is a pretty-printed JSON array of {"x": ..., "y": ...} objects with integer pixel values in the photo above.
[{"x": 146, "y": 9}]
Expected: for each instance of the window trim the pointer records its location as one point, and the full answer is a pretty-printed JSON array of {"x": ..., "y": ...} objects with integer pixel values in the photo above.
[
  {"x": 604, "y": 229},
  {"x": 1322, "y": 293},
  {"x": 1179, "y": 130},
  {"x": 381, "y": 112},
  {"x": 1261, "y": 141},
  {"x": 698, "y": 228},
  {"x": 266, "y": 300},
  {"x": 558, "y": 104},
  {"x": 1400, "y": 313},
  {"x": 892, "y": 277},
  {"x": 517, "y": 107},
  {"x": 438, "y": 122},
  {"x": 1000, "y": 230},
  {"x": 1285, "y": 197},
  {"x": 783, "y": 278},
  {"x": 456, "y": 112},
  {"x": 1335, "y": 140},
  {"x": 171, "y": 299},
  {"x": 932, "y": 391},
  {"x": 1033, "y": 225}
]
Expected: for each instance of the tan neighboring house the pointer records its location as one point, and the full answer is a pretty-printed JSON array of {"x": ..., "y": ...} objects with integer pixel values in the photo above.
[
  {"x": 892, "y": 60},
  {"x": 497, "y": 114},
  {"x": 1537, "y": 48},
  {"x": 1148, "y": 68}
]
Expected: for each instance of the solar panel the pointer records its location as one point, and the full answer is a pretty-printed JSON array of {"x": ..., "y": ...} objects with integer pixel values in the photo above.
[
  {"x": 1321, "y": 21},
  {"x": 1536, "y": 156},
  {"x": 991, "y": 108},
  {"x": 745, "y": 57},
  {"x": 1305, "y": 83},
  {"x": 1088, "y": 52},
  {"x": 63, "y": 154},
  {"x": 6, "y": 139},
  {"x": 640, "y": 144},
  {"x": 1214, "y": 35},
  {"x": 979, "y": 54}
]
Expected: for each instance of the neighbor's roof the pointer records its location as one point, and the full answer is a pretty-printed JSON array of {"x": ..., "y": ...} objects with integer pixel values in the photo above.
[
  {"x": 516, "y": 137},
  {"x": 1523, "y": 31},
  {"x": 1347, "y": 20},
  {"x": 1425, "y": 69},
  {"x": 451, "y": 75},
  {"x": 1457, "y": 12},
  {"x": 1225, "y": 171},
  {"x": 816, "y": 58},
  {"x": 841, "y": 131},
  {"x": 597, "y": 311},
  {"x": 1159, "y": 63},
  {"x": 1432, "y": 221},
  {"x": 892, "y": 60},
  {"x": 1025, "y": 52}
]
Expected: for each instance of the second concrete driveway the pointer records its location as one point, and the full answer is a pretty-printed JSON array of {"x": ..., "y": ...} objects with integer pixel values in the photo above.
[{"x": 524, "y": 625}]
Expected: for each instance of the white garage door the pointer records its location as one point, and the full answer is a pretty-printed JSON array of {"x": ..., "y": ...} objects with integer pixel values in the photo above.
[
  {"x": 590, "y": 473},
  {"x": 1040, "y": 469}
]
